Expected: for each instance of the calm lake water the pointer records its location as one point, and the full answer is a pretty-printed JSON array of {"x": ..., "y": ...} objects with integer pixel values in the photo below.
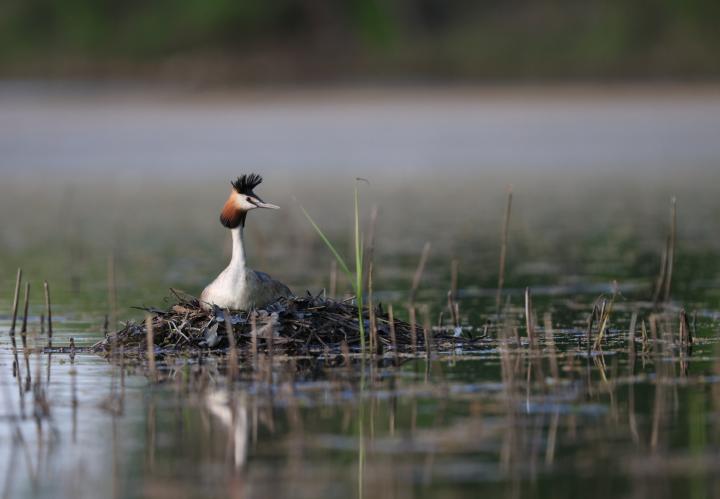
[{"x": 120, "y": 191}]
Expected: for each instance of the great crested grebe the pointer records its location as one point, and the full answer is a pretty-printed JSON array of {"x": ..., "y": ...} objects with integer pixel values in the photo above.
[{"x": 238, "y": 287}]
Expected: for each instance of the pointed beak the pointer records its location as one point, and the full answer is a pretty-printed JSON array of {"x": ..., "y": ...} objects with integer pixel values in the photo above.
[{"x": 255, "y": 199}]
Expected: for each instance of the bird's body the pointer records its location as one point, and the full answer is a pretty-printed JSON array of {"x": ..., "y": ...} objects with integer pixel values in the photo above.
[{"x": 239, "y": 287}]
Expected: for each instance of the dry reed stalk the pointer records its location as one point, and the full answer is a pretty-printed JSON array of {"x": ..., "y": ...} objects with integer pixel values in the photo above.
[
  {"x": 413, "y": 328},
  {"x": 393, "y": 337},
  {"x": 253, "y": 335},
  {"x": 503, "y": 250},
  {"x": 552, "y": 436},
  {"x": 643, "y": 331},
  {"x": 664, "y": 280},
  {"x": 454, "y": 264},
  {"x": 653, "y": 329},
  {"x": 452, "y": 306},
  {"x": 530, "y": 327},
  {"x": 16, "y": 363},
  {"x": 23, "y": 337},
  {"x": 590, "y": 323},
  {"x": 150, "y": 340},
  {"x": 16, "y": 302},
  {"x": 685, "y": 334},
  {"x": 112, "y": 291},
  {"x": 671, "y": 248},
  {"x": 427, "y": 331},
  {"x": 631, "y": 335},
  {"x": 550, "y": 342},
  {"x": 345, "y": 349},
  {"x": 604, "y": 318},
  {"x": 662, "y": 273},
  {"x": 270, "y": 351},
  {"x": 419, "y": 272},
  {"x": 48, "y": 312},
  {"x": 232, "y": 348}
]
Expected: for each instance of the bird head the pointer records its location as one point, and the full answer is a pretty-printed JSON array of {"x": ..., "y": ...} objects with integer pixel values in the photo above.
[{"x": 243, "y": 199}]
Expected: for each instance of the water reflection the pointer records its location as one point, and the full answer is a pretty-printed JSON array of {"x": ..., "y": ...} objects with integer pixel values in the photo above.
[{"x": 516, "y": 418}]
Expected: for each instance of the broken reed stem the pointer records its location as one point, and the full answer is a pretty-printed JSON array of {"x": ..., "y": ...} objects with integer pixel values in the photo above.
[
  {"x": 550, "y": 342},
  {"x": 671, "y": 248},
  {"x": 664, "y": 280},
  {"x": 253, "y": 334},
  {"x": 112, "y": 291},
  {"x": 419, "y": 272},
  {"x": 643, "y": 331},
  {"x": 150, "y": 339},
  {"x": 427, "y": 330},
  {"x": 663, "y": 271},
  {"x": 16, "y": 302},
  {"x": 270, "y": 348},
  {"x": 413, "y": 294},
  {"x": 23, "y": 336},
  {"x": 685, "y": 334},
  {"x": 48, "y": 313},
  {"x": 453, "y": 310},
  {"x": 590, "y": 323},
  {"x": 413, "y": 328},
  {"x": 503, "y": 250},
  {"x": 393, "y": 337},
  {"x": 345, "y": 349},
  {"x": 530, "y": 327},
  {"x": 23, "y": 328},
  {"x": 631, "y": 335},
  {"x": 232, "y": 347},
  {"x": 604, "y": 317},
  {"x": 454, "y": 264}
]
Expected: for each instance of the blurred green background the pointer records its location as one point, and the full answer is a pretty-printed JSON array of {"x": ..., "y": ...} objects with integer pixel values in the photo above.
[{"x": 281, "y": 40}]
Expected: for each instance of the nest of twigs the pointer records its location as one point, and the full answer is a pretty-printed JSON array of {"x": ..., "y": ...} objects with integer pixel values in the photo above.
[{"x": 310, "y": 325}]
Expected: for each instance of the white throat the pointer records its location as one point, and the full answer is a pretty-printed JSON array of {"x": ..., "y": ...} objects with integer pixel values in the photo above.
[{"x": 237, "y": 262}]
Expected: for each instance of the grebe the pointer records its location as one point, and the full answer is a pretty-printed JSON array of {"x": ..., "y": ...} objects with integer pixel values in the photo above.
[{"x": 238, "y": 287}]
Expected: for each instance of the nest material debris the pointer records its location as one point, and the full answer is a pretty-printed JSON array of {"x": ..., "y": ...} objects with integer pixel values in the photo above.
[{"x": 309, "y": 325}]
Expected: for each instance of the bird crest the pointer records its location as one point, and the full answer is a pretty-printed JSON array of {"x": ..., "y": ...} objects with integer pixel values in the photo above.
[{"x": 246, "y": 183}]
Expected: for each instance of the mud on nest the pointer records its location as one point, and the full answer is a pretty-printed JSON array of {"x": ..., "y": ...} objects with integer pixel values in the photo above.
[{"x": 309, "y": 325}]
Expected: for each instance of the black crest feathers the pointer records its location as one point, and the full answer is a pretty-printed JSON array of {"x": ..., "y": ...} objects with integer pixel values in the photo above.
[{"x": 246, "y": 183}]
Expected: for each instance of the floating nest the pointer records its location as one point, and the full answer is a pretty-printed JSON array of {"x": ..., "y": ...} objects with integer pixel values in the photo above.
[{"x": 310, "y": 325}]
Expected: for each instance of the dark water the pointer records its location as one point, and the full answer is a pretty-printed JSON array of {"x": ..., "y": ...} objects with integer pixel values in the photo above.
[
  {"x": 505, "y": 419},
  {"x": 115, "y": 200}
]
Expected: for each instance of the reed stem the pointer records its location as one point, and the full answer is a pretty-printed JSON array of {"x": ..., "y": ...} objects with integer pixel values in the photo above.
[
  {"x": 503, "y": 250},
  {"x": 150, "y": 339}
]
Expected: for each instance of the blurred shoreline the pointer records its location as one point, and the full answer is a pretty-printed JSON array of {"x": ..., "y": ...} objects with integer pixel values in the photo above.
[{"x": 387, "y": 132}]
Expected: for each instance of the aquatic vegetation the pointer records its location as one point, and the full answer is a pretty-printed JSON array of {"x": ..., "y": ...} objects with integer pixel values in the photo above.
[{"x": 310, "y": 325}]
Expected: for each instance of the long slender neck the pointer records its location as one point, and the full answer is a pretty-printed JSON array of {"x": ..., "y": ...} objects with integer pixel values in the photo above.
[{"x": 237, "y": 262}]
